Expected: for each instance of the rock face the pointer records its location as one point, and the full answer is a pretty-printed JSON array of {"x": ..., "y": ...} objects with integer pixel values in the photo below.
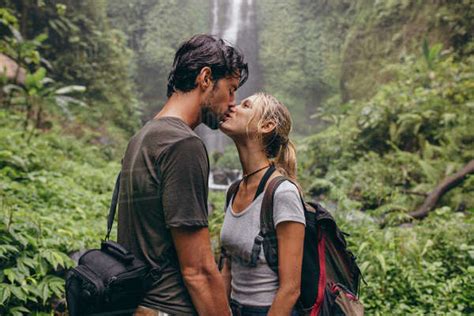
[{"x": 10, "y": 69}]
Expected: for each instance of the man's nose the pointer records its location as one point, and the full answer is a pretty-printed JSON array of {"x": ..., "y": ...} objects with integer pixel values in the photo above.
[{"x": 232, "y": 106}]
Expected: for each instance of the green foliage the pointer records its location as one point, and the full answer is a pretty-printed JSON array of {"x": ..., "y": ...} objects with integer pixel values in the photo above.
[
  {"x": 76, "y": 74},
  {"x": 431, "y": 54},
  {"x": 422, "y": 269},
  {"x": 217, "y": 202},
  {"x": 229, "y": 159},
  {"x": 54, "y": 194},
  {"x": 384, "y": 32},
  {"x": 76, "y": 46},
  {"x": 102, "y": 59},
  {"x": 404, "y": 140},
  {"x": 299, "y": 57},
  {"x": 383, "y": 156},
  {"x": 327, "y": 50},
  {"x": 155, "y": 29},
  {"x": 403, "y": 125}
]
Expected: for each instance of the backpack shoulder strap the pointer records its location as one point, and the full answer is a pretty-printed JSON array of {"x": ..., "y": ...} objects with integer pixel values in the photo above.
[
  {"x": 267, "y": 229},
  {"x": 234, "y": 187},
  {"x": 266, "y": 214}
]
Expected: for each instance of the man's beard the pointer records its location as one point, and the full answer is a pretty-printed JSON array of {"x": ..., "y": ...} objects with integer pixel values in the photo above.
[{"x": 209, "y": 118}]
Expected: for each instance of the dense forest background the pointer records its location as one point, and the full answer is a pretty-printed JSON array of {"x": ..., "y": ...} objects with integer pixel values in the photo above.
[{"x": 381, "y": 93}]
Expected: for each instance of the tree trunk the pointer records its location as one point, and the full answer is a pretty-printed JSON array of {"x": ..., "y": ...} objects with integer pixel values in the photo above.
[
  {"x": 444, "y": 186},
  {"x": 24, "y": 18}
]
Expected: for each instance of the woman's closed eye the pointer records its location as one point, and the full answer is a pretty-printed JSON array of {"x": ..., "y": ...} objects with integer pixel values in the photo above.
[{"x": 246, "y": 104}]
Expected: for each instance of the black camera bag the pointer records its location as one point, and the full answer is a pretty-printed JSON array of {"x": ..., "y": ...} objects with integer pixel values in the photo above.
[{"x": 109, "y": 280}]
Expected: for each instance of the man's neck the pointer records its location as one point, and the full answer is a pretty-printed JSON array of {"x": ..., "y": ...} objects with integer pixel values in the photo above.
[{"x": 185, "y": 106}]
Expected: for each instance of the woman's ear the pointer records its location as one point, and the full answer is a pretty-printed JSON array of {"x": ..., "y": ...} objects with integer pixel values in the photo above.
[
  {"x": 204, "y": 78},
  {"x": 268, "y": 126}
]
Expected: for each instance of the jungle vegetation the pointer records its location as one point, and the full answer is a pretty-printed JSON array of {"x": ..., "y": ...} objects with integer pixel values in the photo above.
[{"x": 382, "y": 96}]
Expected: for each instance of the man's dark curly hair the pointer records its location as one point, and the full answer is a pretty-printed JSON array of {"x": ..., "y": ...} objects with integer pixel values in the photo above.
[{"x": 201, "y": 51}]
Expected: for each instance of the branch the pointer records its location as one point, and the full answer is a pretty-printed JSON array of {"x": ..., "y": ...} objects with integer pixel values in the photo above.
[{"x": 444, "y": 186}]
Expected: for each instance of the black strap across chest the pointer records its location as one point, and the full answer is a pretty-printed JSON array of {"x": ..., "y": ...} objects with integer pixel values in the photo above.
[
  {"x": 264, "y": 180},
  {"x": 234, "y": 188}
]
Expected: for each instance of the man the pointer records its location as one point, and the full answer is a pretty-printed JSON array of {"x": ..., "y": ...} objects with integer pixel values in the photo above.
[{"x": 164, "y": 184}]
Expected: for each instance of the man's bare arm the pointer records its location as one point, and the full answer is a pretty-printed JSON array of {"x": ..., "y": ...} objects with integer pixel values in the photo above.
[{"x": 199, "y": 270}]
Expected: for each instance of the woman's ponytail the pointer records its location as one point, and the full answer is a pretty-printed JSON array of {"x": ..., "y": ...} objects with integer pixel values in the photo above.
[
  {"x": 285, "y": 161},
  {"x": 277, "y": 145}
]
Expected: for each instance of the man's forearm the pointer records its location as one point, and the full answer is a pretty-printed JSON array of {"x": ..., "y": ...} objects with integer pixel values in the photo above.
[
  {"x": 207, "y": 292},
  {"x": 199, "y": 270}
]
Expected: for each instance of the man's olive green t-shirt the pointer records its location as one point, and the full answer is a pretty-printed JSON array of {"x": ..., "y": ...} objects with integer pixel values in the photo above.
[{"x": 164, "y": 184}]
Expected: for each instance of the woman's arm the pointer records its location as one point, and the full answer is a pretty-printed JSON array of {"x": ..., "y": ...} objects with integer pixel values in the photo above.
[{"x": 290, "y": 259}]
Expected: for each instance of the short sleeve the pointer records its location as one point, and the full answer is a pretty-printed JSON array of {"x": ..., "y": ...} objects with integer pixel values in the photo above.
[
  {"x": 184, "y": 169},
  {"x": 287, "y": 205}
]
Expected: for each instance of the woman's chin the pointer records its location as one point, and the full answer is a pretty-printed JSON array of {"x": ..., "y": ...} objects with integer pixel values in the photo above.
[
  {"x": 222, "y": 127},
  {"x": 226, "y": 129}
]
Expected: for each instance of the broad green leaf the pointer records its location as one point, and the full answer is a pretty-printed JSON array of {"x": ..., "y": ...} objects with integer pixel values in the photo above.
[
  {"x": 41, "y": 37},
  {"x": 4, "y": 293},
  {"x": 10, "y": 274},
  {"x": 44, "y": 291},
  {"x": 19, "y": 311},
  {"x": 18, "y": 292}
]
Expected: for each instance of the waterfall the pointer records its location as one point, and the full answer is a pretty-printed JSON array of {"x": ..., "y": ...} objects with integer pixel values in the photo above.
[
  {"x": 234, "y": 21},
  {"x": 232, "y": 29}
]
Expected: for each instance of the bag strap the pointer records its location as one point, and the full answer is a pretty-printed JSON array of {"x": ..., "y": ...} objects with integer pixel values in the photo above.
[
  {"x": 113, "y": 207},
  {"x": 234, "y": 187},
  {"x": 264, "y": 180},
  {"x": 266, "y": 213},
  {"x": 163, "y": 259},
  {"x": 267, "y": 227},
  {"x": 266, "y": 221},
  {"x": 259, "y": 238}
]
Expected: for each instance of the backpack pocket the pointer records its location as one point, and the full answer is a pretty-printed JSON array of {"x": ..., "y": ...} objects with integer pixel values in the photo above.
[{"x": 343, "y": 301}]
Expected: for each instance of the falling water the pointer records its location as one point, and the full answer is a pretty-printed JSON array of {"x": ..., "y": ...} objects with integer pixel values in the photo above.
[
  {"x": 232, "y": 29},
  {"x": 234, "y": 21}
]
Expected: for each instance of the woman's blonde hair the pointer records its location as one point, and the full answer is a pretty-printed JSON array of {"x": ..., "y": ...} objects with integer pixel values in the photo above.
[{"x": 277, "y": 144}]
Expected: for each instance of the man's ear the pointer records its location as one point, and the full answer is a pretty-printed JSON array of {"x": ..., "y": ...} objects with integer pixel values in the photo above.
[
  {"x": 204, "y": 78},
  {"x": 268, "y": 127}
]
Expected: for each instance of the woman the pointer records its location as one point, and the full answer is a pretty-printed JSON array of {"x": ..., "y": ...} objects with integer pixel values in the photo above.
[{"x": 260, "y": 126}]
